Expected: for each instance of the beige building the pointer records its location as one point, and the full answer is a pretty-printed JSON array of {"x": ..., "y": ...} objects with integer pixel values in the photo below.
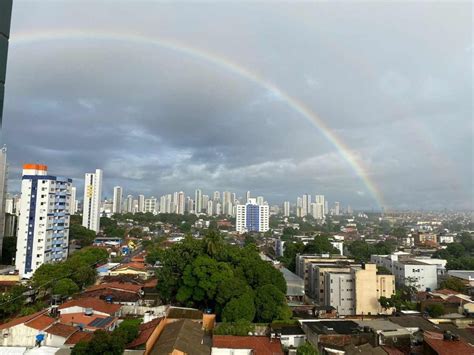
[{"x": 357, "y": 291}]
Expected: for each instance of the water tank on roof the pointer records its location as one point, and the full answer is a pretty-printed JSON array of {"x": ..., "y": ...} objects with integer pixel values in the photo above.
[{"x": 88, "y": 312}]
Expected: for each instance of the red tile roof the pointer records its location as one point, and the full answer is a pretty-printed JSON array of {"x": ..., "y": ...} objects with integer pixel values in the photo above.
[
  {"x": 129, "y": 287},
  {"x": 447, "y": 347},
  {"x": 62, "y": 330},
  {"x": 21, "y": 320},
  {"x": 446, "y": 291},
  {"x": 77, "y": 337},
  {"x": 146, "y": 329},
  {"x": 41, "y": 322},
  {"x": 261, "y": 345},
  {"x": 94, "y": 303}
]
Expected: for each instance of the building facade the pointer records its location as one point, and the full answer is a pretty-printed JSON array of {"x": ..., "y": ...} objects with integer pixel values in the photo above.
[
  {"x": 5, "y": 19},
  {"x": 3, "y": 192},
  {"x": 252, "y": 217},
  {"x": 43, "y": 225},
  {"x": 92, "y": 200},
  {"x": 117, "y": 200}
]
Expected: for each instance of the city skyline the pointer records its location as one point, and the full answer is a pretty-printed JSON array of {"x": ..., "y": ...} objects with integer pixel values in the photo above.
[{"x": 369, "y": 115}]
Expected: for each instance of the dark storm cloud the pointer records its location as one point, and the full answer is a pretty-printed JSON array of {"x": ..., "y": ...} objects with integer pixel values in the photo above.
[{"x": 389, "y": 79}]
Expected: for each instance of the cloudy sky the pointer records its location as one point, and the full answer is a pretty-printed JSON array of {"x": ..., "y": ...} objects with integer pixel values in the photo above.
[{"x": 167, "y": 96}]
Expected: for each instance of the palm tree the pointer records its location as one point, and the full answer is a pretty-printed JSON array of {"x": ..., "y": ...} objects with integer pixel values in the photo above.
[{"x": 213, "y": 242}]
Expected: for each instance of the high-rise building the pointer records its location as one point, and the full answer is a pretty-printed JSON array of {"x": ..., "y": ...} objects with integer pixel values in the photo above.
[
  {"x": 326, "y": 207},
  {"x": 260, "y": 200},
  {"x": 5, "y": 19},
  {"x": 92, "y": 199},
  {"x": 3, "y": 191},
  {"x": 305, "y": 206},
  {"x": 247, "y": 196},
  {"x": 197, "y": 201},
  {"x": 227, "y": 203},
  {"x": 252, "y": 217},
  {"x": 129, "y": 204},
  {"x": 43, "y": 227},
  {"x": 117, "y": 200},
  {"x": 286, "y": 208},
  {"x": 216, "y": 196},
  {"x": 337, "y": 209},
  {"x": 205, "y": 200},
  {"x": 150, "y": 205},
  {"x": 299, "y": 207},
  {"x": 320, "y": 200},
  {"x": 181, "y": 200},
  {"x": 73, "y": 202},
  {"x": 141, "y": 203},
  {"x": 210, "y": 208}
]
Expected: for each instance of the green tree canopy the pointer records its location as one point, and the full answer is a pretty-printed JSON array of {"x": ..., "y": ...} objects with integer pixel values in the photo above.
[{"x": 271, "y": 304}]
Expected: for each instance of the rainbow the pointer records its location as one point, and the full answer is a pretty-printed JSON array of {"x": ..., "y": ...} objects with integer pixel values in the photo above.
[{"x": 297, "y": 106}]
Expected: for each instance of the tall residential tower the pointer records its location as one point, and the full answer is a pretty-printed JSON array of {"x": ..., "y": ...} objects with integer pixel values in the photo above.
[
  {"x": 92, "y": 198},
  {"x": 5, "y": 19},
  {"x": 43, "y": 225}
]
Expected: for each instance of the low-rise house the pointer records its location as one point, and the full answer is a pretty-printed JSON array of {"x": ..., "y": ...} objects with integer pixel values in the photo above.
[
  {"x": 116, "y": 292},
  {"x": 334, "y": 335},
  {"x": 23, "y": 331},
  {"x": 182, "y": 337},
  {"x": 89, "y": 321},
  {"x": 132, "y": 268},
  {"x": 445, "y": 344},
  {"x": 290, "y": 336},
  {"x": 57, "y": 334},
  {"x": 90, "y": 305},
  {"x": 245, "y": 345},
  {"x": 147, "y": 335},
  {"x": 452, "y": 301}
]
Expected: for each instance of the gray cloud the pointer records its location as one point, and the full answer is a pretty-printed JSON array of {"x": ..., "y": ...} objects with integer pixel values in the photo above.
[{"x": 391, "y": 80}]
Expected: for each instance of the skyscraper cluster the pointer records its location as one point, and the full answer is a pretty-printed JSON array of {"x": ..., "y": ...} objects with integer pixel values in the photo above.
[{"x": 317, "y": 208}]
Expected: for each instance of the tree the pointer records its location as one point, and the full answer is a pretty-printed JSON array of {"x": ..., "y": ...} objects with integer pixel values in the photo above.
[
  {"x": 127, "y": 330},
  {"x": 239, "y": 328},
  {"x": 454, "y": 284},
  {"x": 83, "y": 236},
  {"x": 202, "y": 279},
  {"x": 240, "y": 308},
  {"x": 212, "y": 242},
  {"x": 306, "y": 349},
  {"x": 65, "y": 287},
  {"x": 101, "y": 343},
  {"x": 435, "y": 310},
  {"x": 271, "y": 304}
]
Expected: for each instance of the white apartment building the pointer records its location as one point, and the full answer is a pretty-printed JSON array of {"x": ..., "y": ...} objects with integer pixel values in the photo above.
[
  {"x": 286, "y": 208},
  {"x": 117, "y": 200},
  {"x": 73, "y": 202},
  {"x": 92, "y": 200},
  {"x": 141, "y": 203},
  {"x": 43, "y": 225},
  {"x": 411, "y": 271},
  {"x": 197, "y": 201},
  {"x": 150, "y": 205},
  {"x": 252, "y": 217}
]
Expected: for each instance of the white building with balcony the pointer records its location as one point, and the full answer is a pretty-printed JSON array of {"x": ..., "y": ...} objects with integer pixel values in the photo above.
[{"x": 43, "y": 223}]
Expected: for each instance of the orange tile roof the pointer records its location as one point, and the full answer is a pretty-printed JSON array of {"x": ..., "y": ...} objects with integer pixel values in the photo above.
[
  {"x": 146, "y": 329},
  {"x": 21, "y": 320},
  {"x": 80, "y": 318},
  {"x": 128, "y": 287},
  {"x": 260, "y": 344},
  {"x": 131, "y": 265},
  {"x": 62, "y": 330},
  {"x": 41, "y": 322},
  {"x": 447, "y": 347},
  {"x": 91, "y": 302},
  {"x": 77, "y": 337}
]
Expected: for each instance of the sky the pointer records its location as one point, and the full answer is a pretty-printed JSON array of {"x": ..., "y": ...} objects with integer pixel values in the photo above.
[{"x": 368, "y": 103}]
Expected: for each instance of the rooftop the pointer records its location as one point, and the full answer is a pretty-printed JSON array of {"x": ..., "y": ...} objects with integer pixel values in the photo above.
[
  {"x": 62, "y": 330},
  {"x": 333, "y": 326},
  {"x": 260, "y": 345},
  {"x": 447, "y": 347},
  {"x": 91, "y": 302},
  {"x": 183, "y": 335}
]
